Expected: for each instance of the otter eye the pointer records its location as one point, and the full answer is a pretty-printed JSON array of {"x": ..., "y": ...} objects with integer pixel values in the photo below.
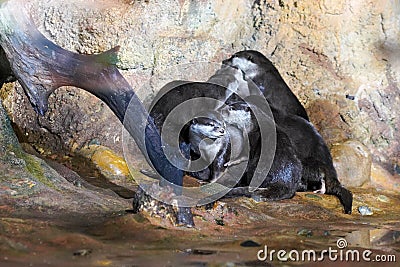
[{"x": 250, "y": 57}]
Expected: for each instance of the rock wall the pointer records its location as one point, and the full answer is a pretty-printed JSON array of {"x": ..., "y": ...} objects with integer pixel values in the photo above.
[
  {"x": 29, "y": 185},
  {"x": 339, "y": 57}
]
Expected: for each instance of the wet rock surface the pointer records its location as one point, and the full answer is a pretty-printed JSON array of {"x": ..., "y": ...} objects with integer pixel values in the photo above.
[{"x": 123, "y": 239}]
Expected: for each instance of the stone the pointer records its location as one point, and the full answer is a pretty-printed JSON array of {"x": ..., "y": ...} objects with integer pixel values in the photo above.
[
  {"x": 359, "y": 238},
  {"x": 383, "y": 179},
  {"x": 381, "y": 237},
  {"x": 249, "y": 243},
  {"x": 106, "y": 161},
  {"x": 383, "y": 198},
  {"x": 305, "y": 232},
  {"x": 352, "y": 161},
  {"x": 365, "y": 211},
  {"x": 28, "y": 183},
  {"x": 325, "y": 116}
]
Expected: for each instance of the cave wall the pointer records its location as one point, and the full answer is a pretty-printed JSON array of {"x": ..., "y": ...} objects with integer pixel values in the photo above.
[{"x": 341, "y": 58}]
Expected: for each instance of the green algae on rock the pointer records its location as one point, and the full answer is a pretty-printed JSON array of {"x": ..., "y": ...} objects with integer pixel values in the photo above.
[
  {"x": 8, "y": 139},
  {"x": 29, "y": 184}
]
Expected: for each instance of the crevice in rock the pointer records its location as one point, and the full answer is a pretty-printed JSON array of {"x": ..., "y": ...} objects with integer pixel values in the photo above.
[{"x": 321, "y": 59}]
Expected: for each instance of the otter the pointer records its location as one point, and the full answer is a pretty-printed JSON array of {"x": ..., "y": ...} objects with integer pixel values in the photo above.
[
  {"x": 319, "y": 174},
  {"x": 283, "y": 178},
  {"x": 233, "y": 80},
  {"x": 257, "y": 68},
  {"x": 209, "y": 142},
  {"x": 293, "y": 169},
  {"x": 220, "y": 137},
  {"x": 295, "y": 136}
]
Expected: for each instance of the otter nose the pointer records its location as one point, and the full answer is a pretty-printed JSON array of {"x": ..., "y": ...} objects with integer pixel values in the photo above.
[{"x": 229, "y": 60}]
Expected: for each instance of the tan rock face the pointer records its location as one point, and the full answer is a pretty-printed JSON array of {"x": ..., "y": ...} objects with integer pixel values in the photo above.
[
  {"x": 381, "y": 178},
  {"x": 352, "y": 161},
  {"x": 329, "y": 49},
  {"x": 341, "y": 58}
]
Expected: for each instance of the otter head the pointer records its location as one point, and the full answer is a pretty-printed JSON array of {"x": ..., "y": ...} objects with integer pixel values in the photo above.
[
  {"x": 238, "y": 113},
  {"x": 248, "y": 61},
  {"x": 208, "y": 126}
]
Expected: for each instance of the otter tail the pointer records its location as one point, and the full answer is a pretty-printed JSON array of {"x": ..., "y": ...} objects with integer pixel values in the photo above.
[
  {"x": 333, "y": 187},
  {"x": 238, "y": 192},
  {"x": 272, "y": 193}
]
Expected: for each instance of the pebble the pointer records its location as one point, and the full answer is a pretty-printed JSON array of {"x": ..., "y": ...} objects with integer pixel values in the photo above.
[
  {"x": 199, "y": 251},
  {"x": 220, "y": 222},
  {"x": 17, "y": 162},
  {"x": 94, "y": 142},
  {"x": 365, "y": 211},
  {"x": 249, "y": 243},
  {"x": 396, "y": 168},
  {"x": 82, "y": 252},
  {"x": 77, "y": 183},
  {"x": 257, "y": 198},
  {"x": 313, "y": 196},
  {"x": 305, "y": 232},
  {"x": 383, "y": 198},
  {"x": 327, "y": 233}
]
